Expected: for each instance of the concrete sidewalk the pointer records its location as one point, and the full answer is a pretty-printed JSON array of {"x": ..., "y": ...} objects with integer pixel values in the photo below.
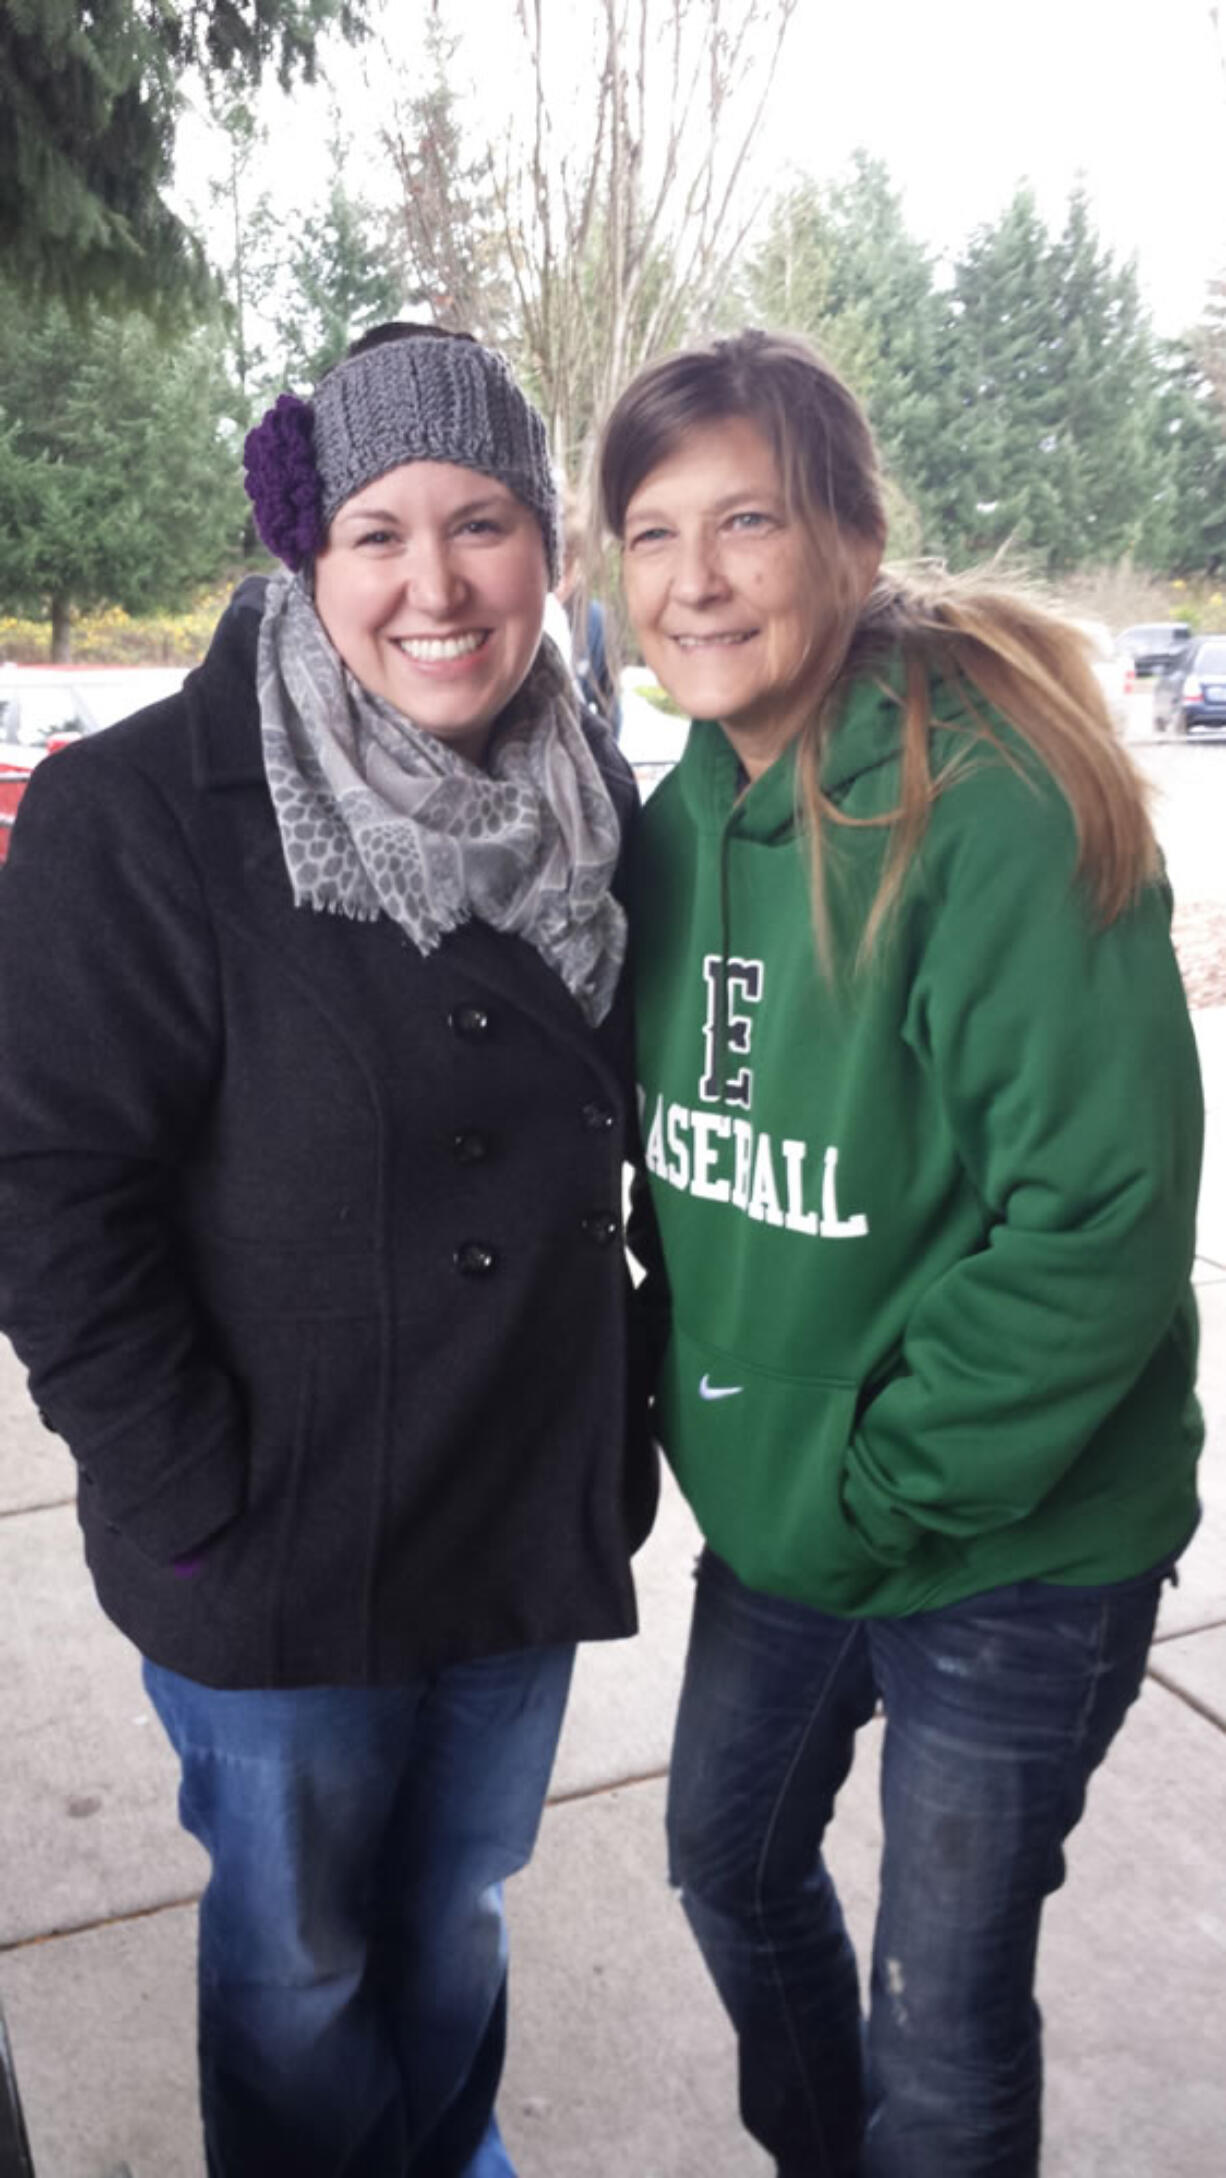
[{"x": 621, "y": 2065}]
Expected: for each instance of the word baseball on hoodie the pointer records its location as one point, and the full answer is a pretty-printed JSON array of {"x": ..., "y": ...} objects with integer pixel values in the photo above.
[{"x": 718, "y": 1156}]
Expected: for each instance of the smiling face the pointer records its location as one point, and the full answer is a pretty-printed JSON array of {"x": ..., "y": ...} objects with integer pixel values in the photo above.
[
  {"x": 734, "y": 601},
  {"x": 432, "y": 588}
]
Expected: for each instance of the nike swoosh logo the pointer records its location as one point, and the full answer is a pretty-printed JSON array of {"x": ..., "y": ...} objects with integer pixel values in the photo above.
[{"x": 708, "y": 1390}]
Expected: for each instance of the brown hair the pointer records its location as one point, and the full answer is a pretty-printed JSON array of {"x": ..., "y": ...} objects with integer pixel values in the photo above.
[{"x": 1001, "y": 645}]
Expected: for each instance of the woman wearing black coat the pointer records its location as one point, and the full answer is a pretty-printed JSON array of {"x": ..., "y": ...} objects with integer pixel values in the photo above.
[{"x": 311, "y": 1135}]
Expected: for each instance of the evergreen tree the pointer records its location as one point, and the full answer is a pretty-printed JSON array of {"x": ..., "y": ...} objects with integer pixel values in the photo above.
[
  {"x": 1208, "y": 344},
  {"x": 1051, "y": 444},
  {"x": 839, "y": 264},
  {"x": 341, "y": 279},
  {"x": 990, "y": 478},
  {"x": 795, "y": 282},
  {"x": 91, "y": 97},
  {"x": 119, "y": 463},
  {"x": 1185, "y": 530}
]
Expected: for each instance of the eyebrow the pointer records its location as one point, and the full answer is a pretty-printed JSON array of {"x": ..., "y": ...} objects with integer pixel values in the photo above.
[
  {"x": 386, "y": 514},
  {"x": 718, "y": 506}
]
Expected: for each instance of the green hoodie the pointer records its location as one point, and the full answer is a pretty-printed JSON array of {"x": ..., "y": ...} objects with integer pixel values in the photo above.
[{"x": 927, "y": 1227}]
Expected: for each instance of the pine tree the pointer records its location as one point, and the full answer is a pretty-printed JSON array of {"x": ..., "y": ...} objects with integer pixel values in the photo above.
[
  {"x": 839, "y": 264},
  {"x": 91, "y": 98},
  {"x": 119, "y": 463},
  {"x": 341, "y": 279},
  {"x": 1185, "y": 531},
  {"x": 1050, "y": 448}
]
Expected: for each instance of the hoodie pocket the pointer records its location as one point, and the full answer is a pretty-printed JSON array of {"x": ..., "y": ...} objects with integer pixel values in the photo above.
[{"x": 760, "y": 1457}]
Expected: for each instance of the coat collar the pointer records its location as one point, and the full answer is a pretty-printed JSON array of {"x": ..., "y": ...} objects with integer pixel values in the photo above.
[{"x": 222, "y": 707}]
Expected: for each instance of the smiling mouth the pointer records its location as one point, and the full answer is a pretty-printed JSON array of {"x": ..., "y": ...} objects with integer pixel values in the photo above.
[
  {"x": 437, "y": 649},
  {"x": 713, "y": 642}
]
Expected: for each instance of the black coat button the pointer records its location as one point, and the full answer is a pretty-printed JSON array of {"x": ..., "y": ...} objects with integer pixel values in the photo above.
[
  {"x": 597, "y": 1118},
  {"x": 471, "y": 1022},
  {"x": 470, "y": 1147},
  {"x": 601, "y": 1227},
  {"x": 473, "y": 1259}
]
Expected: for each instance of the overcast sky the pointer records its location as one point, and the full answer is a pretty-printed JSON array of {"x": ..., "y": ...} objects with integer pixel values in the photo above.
[
  {"x": 963, "y": 98},
  {"x": 1130, "y": 95}
]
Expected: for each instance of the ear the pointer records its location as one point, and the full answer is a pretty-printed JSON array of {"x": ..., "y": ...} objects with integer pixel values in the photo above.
[{"x": 865, "y": 555}]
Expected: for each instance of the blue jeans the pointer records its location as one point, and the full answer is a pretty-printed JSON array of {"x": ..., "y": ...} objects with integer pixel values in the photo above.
[
  {"x": 996, "y": 1712},
  {"x": 353, "y": 1956}
]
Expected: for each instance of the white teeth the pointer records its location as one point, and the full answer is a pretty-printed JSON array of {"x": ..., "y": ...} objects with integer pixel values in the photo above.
[
  {"x": 427, "y": 648},
  {"x": 710, "y": 642}
]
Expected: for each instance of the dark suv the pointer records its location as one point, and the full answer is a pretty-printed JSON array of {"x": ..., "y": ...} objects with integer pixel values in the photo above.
[
  {"x": 1192, "y": 690},
  {"x": 1153, "y": 644}
]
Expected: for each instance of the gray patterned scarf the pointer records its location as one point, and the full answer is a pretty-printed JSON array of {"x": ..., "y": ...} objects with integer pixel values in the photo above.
[{"x": 377, "y": 816}]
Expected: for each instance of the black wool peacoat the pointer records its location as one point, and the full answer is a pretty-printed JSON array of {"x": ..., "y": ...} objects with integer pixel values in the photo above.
[{"x": 312, "y": 1246}]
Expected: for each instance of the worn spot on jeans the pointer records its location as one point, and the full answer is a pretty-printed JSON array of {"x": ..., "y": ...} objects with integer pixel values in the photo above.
[
  {"x": 896, "y": 1982},
  {"x": 989, "y": 1653}
]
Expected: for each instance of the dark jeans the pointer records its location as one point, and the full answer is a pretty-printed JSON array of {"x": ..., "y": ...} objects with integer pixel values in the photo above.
[
  {"x": 352, "y": 1945},
  {"x": 997, "y": 1710}
]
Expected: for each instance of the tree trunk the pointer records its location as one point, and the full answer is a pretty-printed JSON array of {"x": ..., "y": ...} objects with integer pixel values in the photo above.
[{"x": 61, "y": 630}]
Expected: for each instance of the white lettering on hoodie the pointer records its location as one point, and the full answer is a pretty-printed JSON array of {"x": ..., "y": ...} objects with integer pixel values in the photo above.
[{"x": 718, "y": 1159}]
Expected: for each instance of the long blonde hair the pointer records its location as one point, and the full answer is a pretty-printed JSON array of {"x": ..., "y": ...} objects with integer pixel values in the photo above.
[{"x": 1008, "y": 652}]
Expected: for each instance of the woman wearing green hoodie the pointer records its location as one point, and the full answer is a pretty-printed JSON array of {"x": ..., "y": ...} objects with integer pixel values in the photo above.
[{"x": 922, "y": 1126}]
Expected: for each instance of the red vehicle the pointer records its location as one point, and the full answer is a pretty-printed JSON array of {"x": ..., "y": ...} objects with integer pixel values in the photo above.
[{"x": 40, "y": 710}]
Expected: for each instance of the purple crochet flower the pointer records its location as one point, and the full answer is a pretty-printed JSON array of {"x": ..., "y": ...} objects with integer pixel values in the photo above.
[{"x": 283, "y": 482}]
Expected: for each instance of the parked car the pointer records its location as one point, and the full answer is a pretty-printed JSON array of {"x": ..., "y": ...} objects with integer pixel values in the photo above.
[
  {"x": 1191, "y": 693},
  {"x": 40, "y": 709},
  {"x": 1153, "y": 643},
  {"x": 1112, "y": 668}
]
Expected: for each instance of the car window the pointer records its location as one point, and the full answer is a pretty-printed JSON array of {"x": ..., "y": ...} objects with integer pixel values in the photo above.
[
  {"x": 46, "y": 712},
  {"x": 37, "y": 712},
  {"x": 1211, "y": 658}
]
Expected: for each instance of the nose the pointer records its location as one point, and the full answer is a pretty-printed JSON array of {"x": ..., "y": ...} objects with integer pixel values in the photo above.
[
  {"x": 434, "y": 583},
  {"x": 698, "y": 577}
]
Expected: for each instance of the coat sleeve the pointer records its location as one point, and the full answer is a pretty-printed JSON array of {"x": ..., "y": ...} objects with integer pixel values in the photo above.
[
  {"x": 1067, "y": 1071},
  {"x": 109, "y": 1024}
]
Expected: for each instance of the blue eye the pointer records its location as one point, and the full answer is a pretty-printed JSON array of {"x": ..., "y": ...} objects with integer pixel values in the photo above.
[
  {"x": 750, "y": 518},
  {"x": 376, "y": 537},
  {"x": 646, "y": 537}
]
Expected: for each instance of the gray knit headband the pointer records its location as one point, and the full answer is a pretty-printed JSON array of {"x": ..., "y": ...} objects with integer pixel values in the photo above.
[{"x": 429, "y": 398}]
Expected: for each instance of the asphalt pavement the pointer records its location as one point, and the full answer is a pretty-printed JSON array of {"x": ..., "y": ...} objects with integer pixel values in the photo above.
[{"x": 620, "y": 2061}]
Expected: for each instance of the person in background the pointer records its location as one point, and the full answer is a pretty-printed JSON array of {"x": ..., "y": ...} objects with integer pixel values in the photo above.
[
  {"x": 587, "y": 620},
  {"x": 312, "y": 1116},
  {"x": 922, "y": 1131}
]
